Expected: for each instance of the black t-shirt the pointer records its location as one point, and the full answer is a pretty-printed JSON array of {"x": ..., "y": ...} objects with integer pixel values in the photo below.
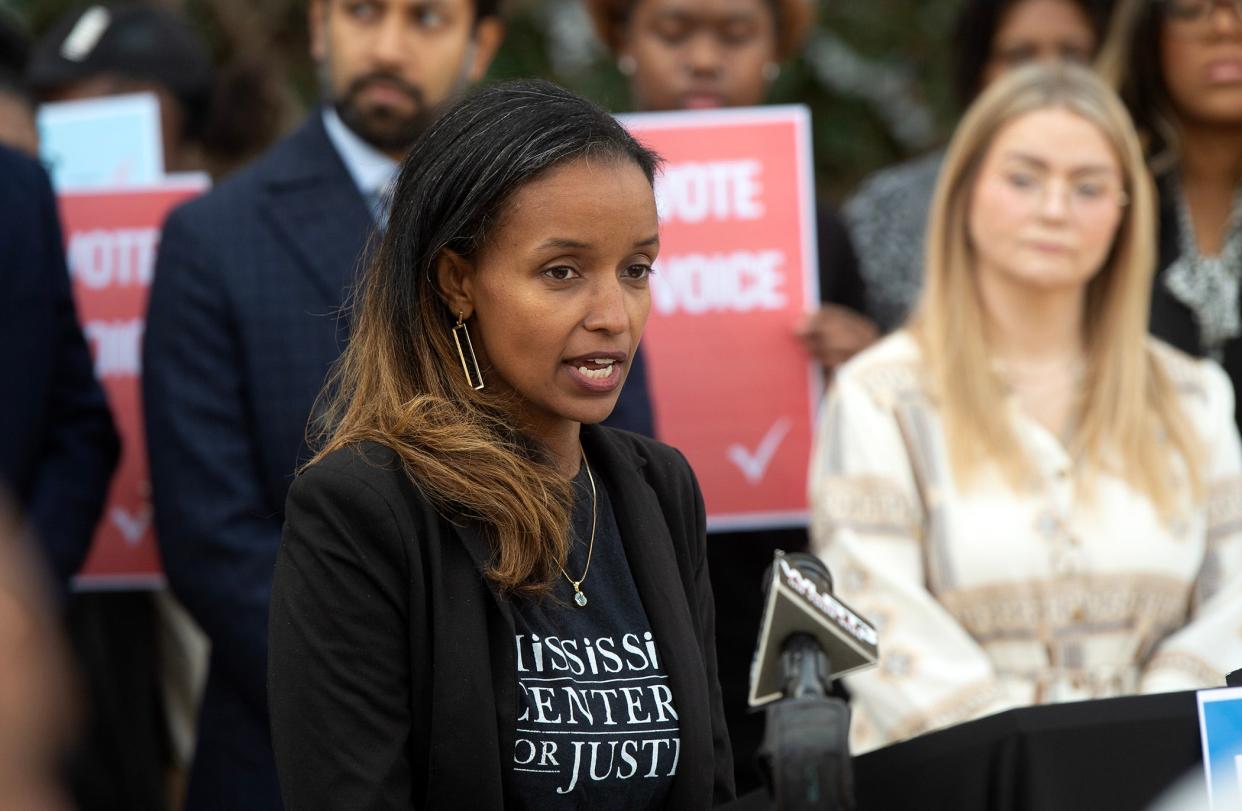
[{"x": 597, "y": 722}]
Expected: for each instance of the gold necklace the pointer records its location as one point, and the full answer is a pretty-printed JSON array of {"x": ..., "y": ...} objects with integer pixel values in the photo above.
[{"x": 579, "y": 597}]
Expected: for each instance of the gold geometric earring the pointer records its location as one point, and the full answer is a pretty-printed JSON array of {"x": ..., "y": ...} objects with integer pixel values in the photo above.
[{"x": 459, "y": 332}]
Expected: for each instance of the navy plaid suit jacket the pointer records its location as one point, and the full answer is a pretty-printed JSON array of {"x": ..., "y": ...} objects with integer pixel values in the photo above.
[
  {"x": 242, "y": 327},
  {"x": 241, "y": 330}
]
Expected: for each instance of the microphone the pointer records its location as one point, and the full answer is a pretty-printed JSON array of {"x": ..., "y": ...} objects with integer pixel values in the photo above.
[
  {"x": 806, "y": 638},
  {"x": 807, "y": 631}
]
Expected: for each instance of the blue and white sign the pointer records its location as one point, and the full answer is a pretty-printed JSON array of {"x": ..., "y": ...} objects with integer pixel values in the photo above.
[
  {"x": 1220, "y": 729},
  {"x": 110, "y": 142}
]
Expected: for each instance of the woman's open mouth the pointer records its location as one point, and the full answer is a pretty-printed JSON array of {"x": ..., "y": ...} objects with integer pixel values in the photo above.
[
  {"x": 598, "y": 368},
  {"x": 601, "y": 373}
]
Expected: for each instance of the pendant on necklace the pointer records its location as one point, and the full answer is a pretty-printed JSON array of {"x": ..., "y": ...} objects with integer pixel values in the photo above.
[{"x": 580, "y": 599}]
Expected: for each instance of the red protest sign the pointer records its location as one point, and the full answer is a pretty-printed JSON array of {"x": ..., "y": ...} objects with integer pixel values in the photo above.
[
  {"x": 110, "y": 243},
  {"x": 733, "y": 388}
]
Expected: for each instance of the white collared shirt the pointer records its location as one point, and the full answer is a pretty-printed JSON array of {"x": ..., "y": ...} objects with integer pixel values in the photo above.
[{"x": 372, "y": 171}]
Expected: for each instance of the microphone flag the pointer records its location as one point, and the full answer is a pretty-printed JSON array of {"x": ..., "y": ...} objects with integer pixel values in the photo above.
[{"x": 797, "y": 603}]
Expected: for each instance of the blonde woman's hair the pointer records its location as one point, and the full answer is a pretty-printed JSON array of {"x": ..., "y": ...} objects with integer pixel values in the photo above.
[{"x": 1129, "y": 414}]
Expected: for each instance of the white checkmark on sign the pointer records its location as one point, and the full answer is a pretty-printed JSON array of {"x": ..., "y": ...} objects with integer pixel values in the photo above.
[
  {"x": 132, "y": 526},
  {"x": 754, "y": 465}
]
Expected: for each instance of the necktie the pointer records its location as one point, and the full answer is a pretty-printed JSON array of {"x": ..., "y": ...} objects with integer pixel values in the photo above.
[{"x": 380, "y": 202}]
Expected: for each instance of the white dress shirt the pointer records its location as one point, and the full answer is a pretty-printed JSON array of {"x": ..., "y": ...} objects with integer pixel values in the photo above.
[{"x": 373, "y": 172}]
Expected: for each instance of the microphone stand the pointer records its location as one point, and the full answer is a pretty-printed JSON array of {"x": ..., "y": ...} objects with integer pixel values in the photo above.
[{"x": 805, "y": 756}]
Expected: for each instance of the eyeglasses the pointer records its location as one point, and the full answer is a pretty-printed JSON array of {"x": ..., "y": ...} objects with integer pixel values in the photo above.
[
  {"x": 1196, "y": 14},
  {"x": 1078, "y": 196}
]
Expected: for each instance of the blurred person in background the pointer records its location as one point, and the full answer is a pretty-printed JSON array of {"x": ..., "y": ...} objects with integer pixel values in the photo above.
[
  {"x": 1178, "y": 65},
  {"x": 102, "y": 50},
  {"x": 136, "y": 647},
  {"x": 706, "y": 54},
  {"x": 211, "y": 117},
  {"x": 58, "y": 447},
  {"x": 242, "y": 328},
  {"x": 38, "y": 703},
  {"x": 1032, "y": 499},
  {"x": 887, "y": 216},
  {"x": 17, "y": 104}
]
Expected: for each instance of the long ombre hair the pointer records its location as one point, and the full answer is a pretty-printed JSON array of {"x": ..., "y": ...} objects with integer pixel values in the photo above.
[
  {"x": 1129, "y": 414},
  {"x": 400, "y": 382}
]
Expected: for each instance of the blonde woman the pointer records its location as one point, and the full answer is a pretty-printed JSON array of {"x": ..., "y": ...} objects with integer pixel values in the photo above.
[{"x": 1034, "y": 500}]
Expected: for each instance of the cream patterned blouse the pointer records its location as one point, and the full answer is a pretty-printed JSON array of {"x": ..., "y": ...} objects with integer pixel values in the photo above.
[{"x": 994, "y": 598}]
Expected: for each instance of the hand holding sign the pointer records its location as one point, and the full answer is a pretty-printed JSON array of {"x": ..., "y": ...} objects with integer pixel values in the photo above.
[{"x": 833, "y": 334}]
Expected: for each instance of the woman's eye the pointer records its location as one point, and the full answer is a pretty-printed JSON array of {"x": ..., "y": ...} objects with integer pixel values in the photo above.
[
  {"x": 1075, "y": 54},
  {"x": 1017, "y": 55},
  {"x": 1020, "y": 180},
  {"x": 431, "y": 19},
  {"x": 1090, "y": 191},
  {"x": 737, "y": 33},
  {"x": 560, "y": 273},
  {"x": 638, "y": 271},
  {"x": 1187, "y": 9},
  {"x": 673, "y": 32},
  {"x": 364, "y": 11}
]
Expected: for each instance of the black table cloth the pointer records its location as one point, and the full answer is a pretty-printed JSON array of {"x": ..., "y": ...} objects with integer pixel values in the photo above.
[
  {"x": 1114, "y": 754},
  {"x": 1107, "y": 755}
]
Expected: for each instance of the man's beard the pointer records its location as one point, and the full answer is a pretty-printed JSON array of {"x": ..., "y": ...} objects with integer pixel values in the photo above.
[{"x": 383, "y": 127}]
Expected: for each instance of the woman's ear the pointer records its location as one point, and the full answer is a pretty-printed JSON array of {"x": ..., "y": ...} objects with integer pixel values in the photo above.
[{"x": 455, "y": 279}]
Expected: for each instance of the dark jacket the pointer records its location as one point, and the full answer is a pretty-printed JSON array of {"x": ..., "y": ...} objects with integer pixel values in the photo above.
[
  {"x": 241, "y": 329},
  {"x": 1173, "y": 321},
  {"x": 392, "y": 676},
  {"x": 58, "y": 447}
]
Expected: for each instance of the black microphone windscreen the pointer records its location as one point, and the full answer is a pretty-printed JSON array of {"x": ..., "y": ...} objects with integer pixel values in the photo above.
[{"x": 810, "y": 566}]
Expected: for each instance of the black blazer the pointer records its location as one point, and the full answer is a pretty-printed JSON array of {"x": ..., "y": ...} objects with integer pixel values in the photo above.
[
  {"x": 391, "y": 675},
  {"x": 57, "y": 444}
]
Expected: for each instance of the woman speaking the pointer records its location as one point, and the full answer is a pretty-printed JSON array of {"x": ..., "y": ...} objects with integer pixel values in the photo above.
[{"x": 482, "y": 598}]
